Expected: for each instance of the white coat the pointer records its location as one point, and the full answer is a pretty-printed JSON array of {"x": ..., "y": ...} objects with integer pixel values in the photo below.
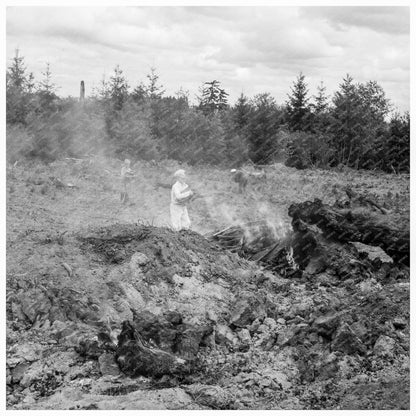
[{"x": 178, "y": 211}]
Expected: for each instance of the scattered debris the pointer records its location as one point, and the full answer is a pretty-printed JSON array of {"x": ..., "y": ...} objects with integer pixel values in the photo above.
[{"x": 68, "y": 269}]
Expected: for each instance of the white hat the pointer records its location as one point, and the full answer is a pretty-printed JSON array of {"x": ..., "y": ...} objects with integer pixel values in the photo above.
[
  {"x": 233, "y": 170},
  {"x": 180, "y": 173}
]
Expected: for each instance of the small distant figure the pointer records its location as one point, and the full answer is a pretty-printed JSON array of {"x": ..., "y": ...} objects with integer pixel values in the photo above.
[
  {"x": 257, "y": 177},
  {"x": 126, "y": 176},
  {"x": 259, "y": 173},
  {"x": 241, "y": 178},
  {"x": 180, "y": 195}
]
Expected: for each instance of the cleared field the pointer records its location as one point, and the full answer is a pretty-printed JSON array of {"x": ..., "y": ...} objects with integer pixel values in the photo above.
[{"x": 79, "y": 263}]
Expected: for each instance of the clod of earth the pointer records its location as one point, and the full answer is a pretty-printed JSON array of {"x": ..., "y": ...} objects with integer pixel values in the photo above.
[
  {"x": 170, "y": 333},
  {"x": 138, "y": 358}
]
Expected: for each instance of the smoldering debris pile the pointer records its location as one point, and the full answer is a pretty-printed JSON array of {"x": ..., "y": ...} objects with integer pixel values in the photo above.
[
  {"x": 323, "y": 237},
  {"x": 259, "y": 241},
  {"x": 245, "y": 239}
]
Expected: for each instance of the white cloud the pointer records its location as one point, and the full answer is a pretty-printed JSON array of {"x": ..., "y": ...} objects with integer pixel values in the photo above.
[
  {"x": 250, "y": 49},
  {"x": 378, "y": 18}
]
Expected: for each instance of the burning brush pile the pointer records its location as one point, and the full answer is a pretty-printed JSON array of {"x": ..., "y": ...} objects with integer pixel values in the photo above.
[
  {"x": 260, "y": 241},
  {"x": 245, "y": 239},
  {"x": 322, "y": 238}
]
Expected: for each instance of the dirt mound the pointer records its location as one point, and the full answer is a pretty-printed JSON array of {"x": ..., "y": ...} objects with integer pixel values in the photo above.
[
  {"x": 164, "y": 252},
  {"x": 119, "y": 241}
]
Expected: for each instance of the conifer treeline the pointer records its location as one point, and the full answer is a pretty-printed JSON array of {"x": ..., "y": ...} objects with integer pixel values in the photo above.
[{"x": 351, "y": 128}]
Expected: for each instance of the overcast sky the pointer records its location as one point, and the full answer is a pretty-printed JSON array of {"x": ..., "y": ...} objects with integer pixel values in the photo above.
[{"x": 248, "y": 49}]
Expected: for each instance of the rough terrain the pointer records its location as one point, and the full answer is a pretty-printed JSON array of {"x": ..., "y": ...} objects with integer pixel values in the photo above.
[{"x": 89, "y": 280}]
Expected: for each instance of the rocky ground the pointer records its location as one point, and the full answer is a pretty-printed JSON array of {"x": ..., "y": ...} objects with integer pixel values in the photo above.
[{"x": 96, "y": 291}]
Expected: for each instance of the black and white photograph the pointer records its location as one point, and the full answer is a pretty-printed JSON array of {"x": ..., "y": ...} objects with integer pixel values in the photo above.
[{"x": 207, "y": 206}]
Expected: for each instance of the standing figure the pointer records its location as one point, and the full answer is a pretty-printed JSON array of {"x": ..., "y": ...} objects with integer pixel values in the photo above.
[
  {"x": 180, "y": 195},
  {"x": 126, "y": 176},
  {"x": 241, "y": 178}
]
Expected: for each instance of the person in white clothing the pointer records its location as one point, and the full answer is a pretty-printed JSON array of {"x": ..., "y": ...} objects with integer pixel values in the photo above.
[
  {"x": 126, "y": 176},
  {"x": 180, "y": 195}
]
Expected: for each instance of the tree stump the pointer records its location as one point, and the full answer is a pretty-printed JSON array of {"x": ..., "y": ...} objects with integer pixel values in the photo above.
[{"x": 346, "y": 225}]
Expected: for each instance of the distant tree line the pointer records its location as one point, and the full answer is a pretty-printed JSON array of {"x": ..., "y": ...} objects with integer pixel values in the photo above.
[{"x": 355, "y": 127}]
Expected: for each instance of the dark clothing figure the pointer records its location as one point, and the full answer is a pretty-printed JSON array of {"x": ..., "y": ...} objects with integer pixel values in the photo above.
[{"x": 241, "y": 178}]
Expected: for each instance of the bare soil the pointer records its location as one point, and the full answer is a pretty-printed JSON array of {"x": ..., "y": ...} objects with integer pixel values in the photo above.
[{"x": 80, "y": 263}]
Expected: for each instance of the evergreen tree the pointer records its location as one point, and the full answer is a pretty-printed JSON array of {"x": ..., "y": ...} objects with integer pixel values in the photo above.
[
  {"x": 210, "y": 147},
  {"x": 321, "y": 103},
  {"x": 131, "y": 135},
  {"x": 358, "y": 123},
  {"x": 118, "y": 89},
  {"x": 139, "y": 94},
  {"x": 395, "y": 151},
  {"x": 150, "y": 97},
  {"x": 113, "y": 95},
  {"x": 241, "y": 112},
  {"x": 19, "y": 87},
  {"x": 213, "y": 98},
  {"x": 374, "y": 109},
  {"x": 16, "y": 74},
  {"x": 167, "y": 124},
  {"x": 153, "y": 90},
  {"x": 262, "y": 129},
  {"x": 30, "y": 84},
  {"x": 320, "y": 117},
  {"x": 235, "y": 121},
  {"x": 298, "y": 108},
  {"x": 102, "y": 92},
  {"x": 46, "y": 86},
  {"x": 46, "y": 100},
  {"x": 192, "y": 137},
  {"x": 346, "y": 119},
  {"x": 374, "y": 101}
]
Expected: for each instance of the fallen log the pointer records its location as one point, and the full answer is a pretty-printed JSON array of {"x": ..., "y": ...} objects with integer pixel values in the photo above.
[
  {"x": 364, "y": 200},
  {"x": 347, "y": 225}
]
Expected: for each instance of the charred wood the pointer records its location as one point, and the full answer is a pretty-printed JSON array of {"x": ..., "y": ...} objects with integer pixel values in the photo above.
[{"x": 346, "y": 225}]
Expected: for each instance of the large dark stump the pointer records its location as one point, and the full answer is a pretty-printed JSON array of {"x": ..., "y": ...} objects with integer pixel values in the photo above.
[{"x": 361, "y": 225}]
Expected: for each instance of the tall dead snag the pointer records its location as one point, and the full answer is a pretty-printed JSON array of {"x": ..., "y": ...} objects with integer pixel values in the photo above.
[
  {"x": 345, "y": 225},
  {"x": 82, "y": 92}
]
